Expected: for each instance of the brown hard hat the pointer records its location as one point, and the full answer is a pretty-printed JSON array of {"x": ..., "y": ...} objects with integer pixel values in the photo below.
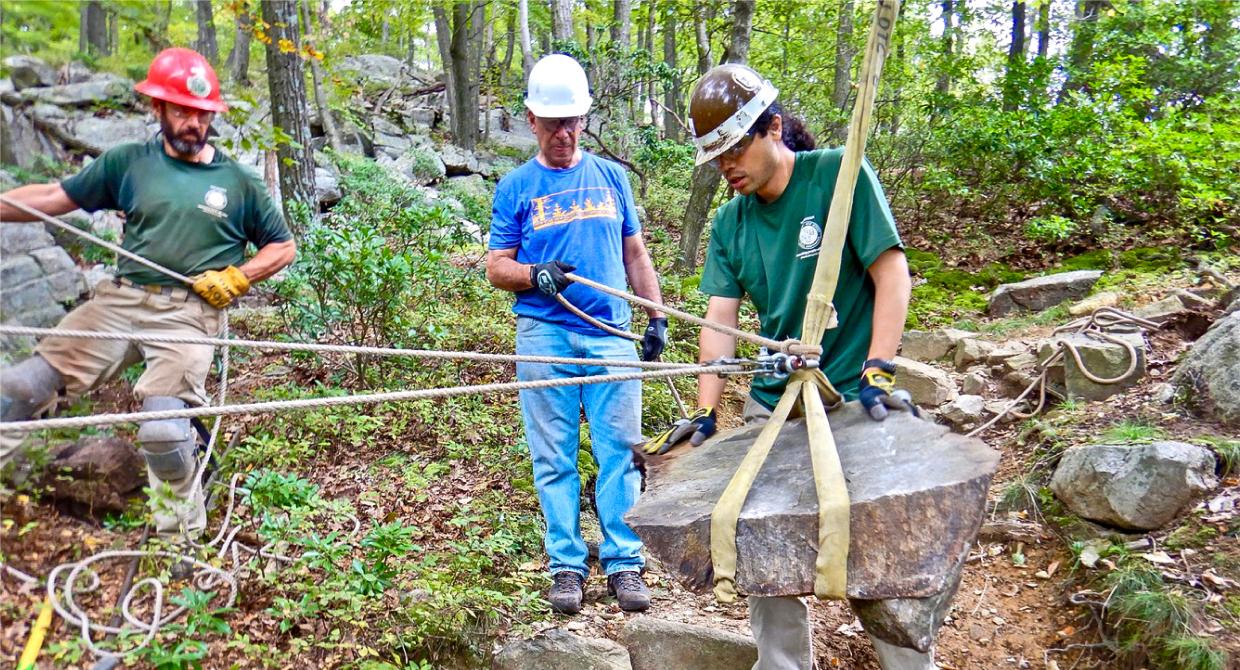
[{"x": 724, "y": 105}]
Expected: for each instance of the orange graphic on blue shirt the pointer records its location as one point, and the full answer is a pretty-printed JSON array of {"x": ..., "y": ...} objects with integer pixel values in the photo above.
[{"x": 579, "y": 204}]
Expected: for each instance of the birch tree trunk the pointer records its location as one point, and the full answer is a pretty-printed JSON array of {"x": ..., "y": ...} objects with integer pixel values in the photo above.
[
  {"x": 527, "y": 51},
  {"x": 238, "y": 64}
]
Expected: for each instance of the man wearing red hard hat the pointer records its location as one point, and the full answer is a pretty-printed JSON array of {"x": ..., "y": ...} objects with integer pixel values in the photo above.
[{"x": 191, "y": 209}]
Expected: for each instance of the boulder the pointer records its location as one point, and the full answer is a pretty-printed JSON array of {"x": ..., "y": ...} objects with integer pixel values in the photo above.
[
  {"x": 20, "y": 143},
  {"x": 964, "y": 411},
  {"x": 918, "y": 495},
  {"x": 931, "y": 345},
  {"x": 458, "y": 161},
  {"x": 928, "y": 385},
  {"x": 75, "y": 72},
  {"x": 98, "y": 472},
  {"x": 1135, "y": 487},
  {"x": 29, "y": 72},
  {"x": 326, "y": 186},
  {"x": 910, "y": 623},
  {"x": 1161, "y": 310},
  {"x": 113, "y": 130},
  {"x": 970, "y": 351},
  {"x": 372, "y": 68},
  {"x": 98, "y": 89},
  {"x": 558, "y": 649},
  {"x": 1041, "y": 292},
  {"x": 1102, "y": 358},
  {"x": 1209, "y": 374},
  {"x": 974, "y": 383},
  {"x": 654, "y": 644}
]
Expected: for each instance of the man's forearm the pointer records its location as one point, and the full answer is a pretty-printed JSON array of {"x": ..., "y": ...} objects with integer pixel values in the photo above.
[
  {"x": 269, "y": 260},
  {"x": 645, "y": 282},
  {"x": 892, "y": 287},
  {"x": 50, "y": 199},
  {"x": 713, "y": 344},
  {"x": 507, "y": 274}
]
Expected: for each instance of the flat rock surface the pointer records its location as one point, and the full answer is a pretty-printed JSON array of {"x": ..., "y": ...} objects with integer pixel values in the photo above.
[{"x": 918, "y": 496}]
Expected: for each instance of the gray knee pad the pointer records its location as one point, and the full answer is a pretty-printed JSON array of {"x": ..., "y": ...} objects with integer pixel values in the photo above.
[
  {"x": 167, "y": 444},
  {"x": 26, "y": 387}
]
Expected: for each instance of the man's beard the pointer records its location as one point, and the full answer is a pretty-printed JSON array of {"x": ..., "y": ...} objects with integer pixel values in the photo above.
[{"x": 186, "y": 144}]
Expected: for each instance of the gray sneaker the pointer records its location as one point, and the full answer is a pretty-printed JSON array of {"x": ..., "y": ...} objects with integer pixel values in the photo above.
[
  {"x": 630, "y": 591},
  {"x": 566, "y": 592}
]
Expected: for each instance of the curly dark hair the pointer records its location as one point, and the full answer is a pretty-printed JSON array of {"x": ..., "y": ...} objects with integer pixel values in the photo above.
[{"x": 795, "y": 135}]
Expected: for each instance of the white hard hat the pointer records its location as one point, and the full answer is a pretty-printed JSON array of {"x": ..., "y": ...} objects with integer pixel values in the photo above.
[{"x": 558, "y": 88}]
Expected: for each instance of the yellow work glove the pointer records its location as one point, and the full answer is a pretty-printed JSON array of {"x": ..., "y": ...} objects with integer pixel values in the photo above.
[
  {"x": 220, "y": 287},
  {"x": 697, "y": 428}
]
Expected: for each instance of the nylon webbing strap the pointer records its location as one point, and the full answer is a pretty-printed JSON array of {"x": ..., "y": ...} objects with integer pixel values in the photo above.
[{"x": 810, "y": 387}]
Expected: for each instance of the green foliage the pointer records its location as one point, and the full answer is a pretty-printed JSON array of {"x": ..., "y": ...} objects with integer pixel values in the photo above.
[
  {"x": 946, "y": 295},
  {"x": 1050, "y": 229},
  {"x": 1127, "y": 431}
]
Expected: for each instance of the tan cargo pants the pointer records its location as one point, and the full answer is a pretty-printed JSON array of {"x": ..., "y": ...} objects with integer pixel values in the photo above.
[{"x": 173, "y": 370}]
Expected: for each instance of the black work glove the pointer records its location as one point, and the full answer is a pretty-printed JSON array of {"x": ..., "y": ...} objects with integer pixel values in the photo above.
[
  {"x": 655, "y": 339},
  {"x": 549, "y": 277},
  {"x": 697, "y": 428},
  {"x": 878, "y": 392}
]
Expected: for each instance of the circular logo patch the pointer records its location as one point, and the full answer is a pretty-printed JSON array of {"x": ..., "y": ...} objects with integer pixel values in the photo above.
[
  {"x": 810, "y": 235},
  {"x": 216, "y": 197},
  {"x": 197, "y": 83}
]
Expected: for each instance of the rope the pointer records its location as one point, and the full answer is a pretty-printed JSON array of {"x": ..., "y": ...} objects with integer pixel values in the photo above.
[
  {"x": 117, "y": 249},
  {"x": 364, "y": 399},
  {"x": 337, "y": 348},
  {"x": 792, "y": 347},
  {"x": 1095, "y": 325}
]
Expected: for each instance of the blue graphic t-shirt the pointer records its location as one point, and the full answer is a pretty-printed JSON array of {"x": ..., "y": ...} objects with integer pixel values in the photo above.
[{"x": 579, "y": 215}]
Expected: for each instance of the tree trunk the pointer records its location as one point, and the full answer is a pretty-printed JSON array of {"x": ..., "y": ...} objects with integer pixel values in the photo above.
[
  {"x": 459, "y": 38},
  {"x": 316, "y": 71},
  {"x": 943, "y": 84},
  {"x": 509, "y": 50},
  {"x": 651, "y": 92},
  {"x": 93, "y": 29},
  {"x": 671, "y": 90},
  {"x": 1013, "y": 80},
  {"x": 562, "y": 20},
  {"x": 742, "y": 28},
  {"x": 113, "y": 31},
  {"x": 702, "y": 40},
  {"x": 621, "y": 15},
  {"x": 527, "y": 51},
  {"x": 705, "y": 180},
  {"x": 206, "y": 44},
  {"x": 1044, "y": 28},
  {"x": 288, "y": 105},
  {"x": 841, "y": 85},
  {"x": 238, "y": 64}
]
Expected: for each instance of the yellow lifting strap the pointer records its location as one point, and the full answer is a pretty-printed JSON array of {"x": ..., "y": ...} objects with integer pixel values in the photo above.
[{"x": 808, "y": 389}]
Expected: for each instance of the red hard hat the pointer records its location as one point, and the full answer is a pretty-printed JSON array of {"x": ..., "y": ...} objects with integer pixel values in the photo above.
[{"x": 182, "y": 76}]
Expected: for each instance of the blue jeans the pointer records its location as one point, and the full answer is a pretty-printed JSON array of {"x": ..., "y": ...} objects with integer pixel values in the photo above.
[{"x": 552, "y": 427}]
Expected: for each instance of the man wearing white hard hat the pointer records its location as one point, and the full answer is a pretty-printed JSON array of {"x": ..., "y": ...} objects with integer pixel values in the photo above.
[{"x": 567, "y": 210}]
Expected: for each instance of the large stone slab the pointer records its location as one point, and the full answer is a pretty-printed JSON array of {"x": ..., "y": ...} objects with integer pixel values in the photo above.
[
  {"x": 29, "y": 72},
  {"x": 558, "y": 649},
  {"x": 655, "y": 644},
  {"x": 1041, "y": 292},
  {"x": 918, "y": 497}
]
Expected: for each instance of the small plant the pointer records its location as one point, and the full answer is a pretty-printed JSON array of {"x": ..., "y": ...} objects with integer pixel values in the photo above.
[
  {"x": 1131, "y": 432},
  {"x": 1049, "y": 229}
]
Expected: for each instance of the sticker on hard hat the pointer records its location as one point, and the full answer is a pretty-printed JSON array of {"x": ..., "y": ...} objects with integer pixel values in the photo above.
[
  {"x": 197, "y": 83},
  {"x": 746, "y": 79}
]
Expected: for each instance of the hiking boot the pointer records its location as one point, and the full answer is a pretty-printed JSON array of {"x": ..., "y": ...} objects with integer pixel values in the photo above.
[
  {"x": 630, "y": 591},
  {"x": 566, "y": 591}
]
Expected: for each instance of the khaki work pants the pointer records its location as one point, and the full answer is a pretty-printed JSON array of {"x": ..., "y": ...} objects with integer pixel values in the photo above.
[
  {"x": 173, "y": 370},
  {"x": 781, "y": 626}
]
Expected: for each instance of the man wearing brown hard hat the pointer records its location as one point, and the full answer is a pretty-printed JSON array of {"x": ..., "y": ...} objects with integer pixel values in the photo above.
[{"x": 765, "y": 244}]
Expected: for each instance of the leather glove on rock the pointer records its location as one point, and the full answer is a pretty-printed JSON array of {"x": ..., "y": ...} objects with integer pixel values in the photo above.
[
  {"x": 220, "y": 287},
  {"x": 655, "y": 339},
  {"x": 549, "y": 278},
  {"x": 697, "y": 428},
  {"x": 878, "y": 392}
]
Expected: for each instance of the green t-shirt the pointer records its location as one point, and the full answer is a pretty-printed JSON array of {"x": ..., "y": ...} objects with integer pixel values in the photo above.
[
  {"x": 768, "y": 251},
  {"x": 188, "y": 217}
]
